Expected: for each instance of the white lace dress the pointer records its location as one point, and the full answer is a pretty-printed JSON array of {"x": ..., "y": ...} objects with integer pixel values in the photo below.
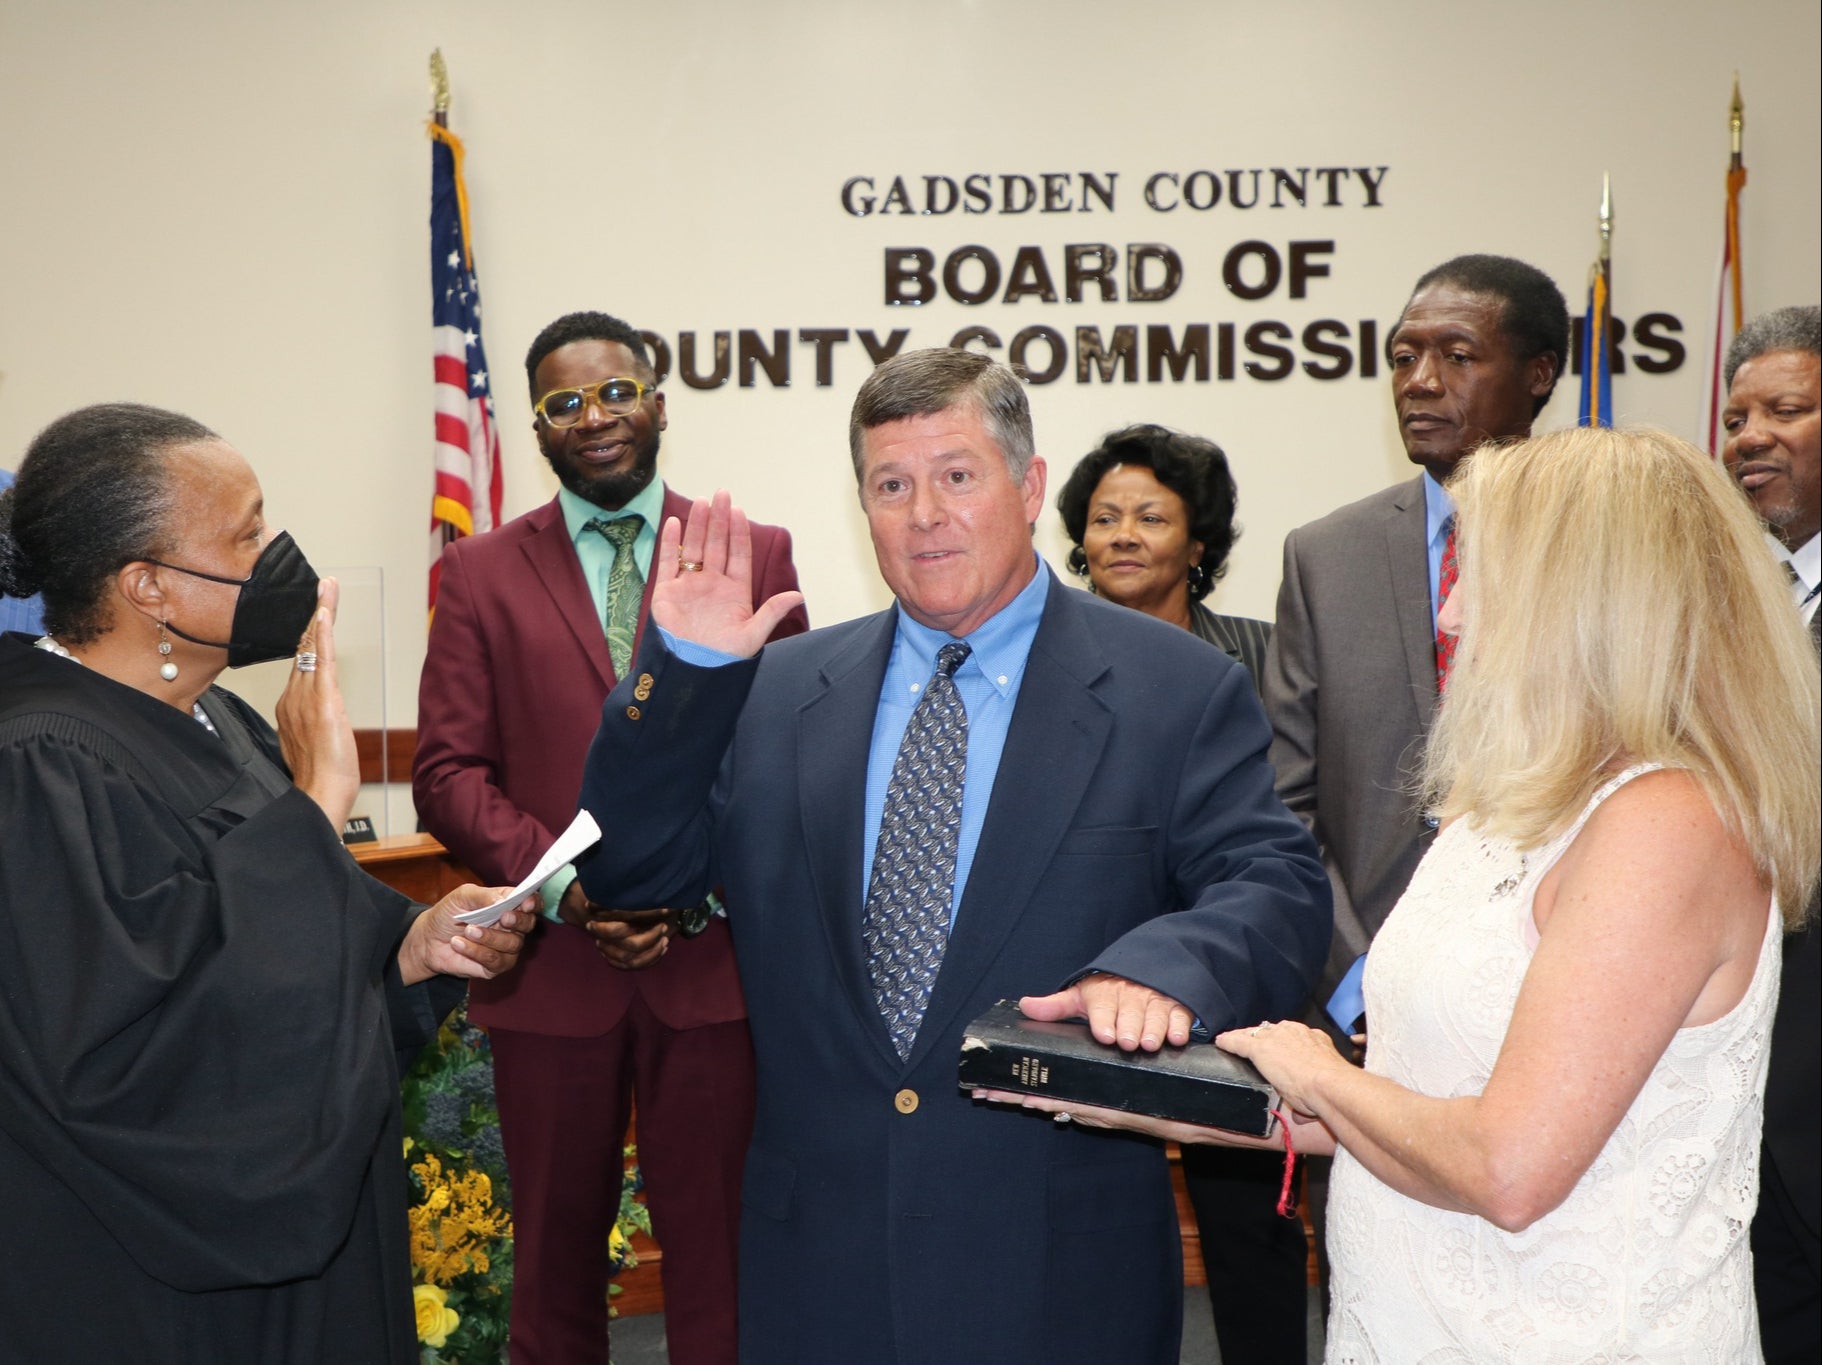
[{"x": 1647, "y": 1259}]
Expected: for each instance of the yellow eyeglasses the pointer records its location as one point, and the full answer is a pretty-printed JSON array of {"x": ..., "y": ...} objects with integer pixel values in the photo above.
[{"x": 619, "y": 396}]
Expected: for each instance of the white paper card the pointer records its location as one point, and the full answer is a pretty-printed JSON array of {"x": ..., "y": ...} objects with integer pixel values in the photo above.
[{"x": 581, "y": 836}]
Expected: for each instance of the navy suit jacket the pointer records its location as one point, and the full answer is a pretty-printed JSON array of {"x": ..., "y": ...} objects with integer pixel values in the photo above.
[{"x": 888, "y": 1218}]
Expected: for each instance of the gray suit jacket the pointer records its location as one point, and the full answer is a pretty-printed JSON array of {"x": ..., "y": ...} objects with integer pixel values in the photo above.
[{"x": 1350, "y": 684}]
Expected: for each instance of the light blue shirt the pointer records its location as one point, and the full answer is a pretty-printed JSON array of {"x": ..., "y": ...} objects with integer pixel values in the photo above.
[
  {"x": 988, "y": 682},
  {"x": 1438, "y": 507},
  {"x": 20, "y": 613},
  {"x": 594, "y": 550}
]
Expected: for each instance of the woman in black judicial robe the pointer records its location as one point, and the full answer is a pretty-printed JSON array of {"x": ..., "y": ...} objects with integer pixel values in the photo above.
[{"x": 202, "y": 999}]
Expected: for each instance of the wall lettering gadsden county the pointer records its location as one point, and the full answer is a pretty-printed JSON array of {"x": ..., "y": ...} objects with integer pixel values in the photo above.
[{"x": 1259, "y": 271}]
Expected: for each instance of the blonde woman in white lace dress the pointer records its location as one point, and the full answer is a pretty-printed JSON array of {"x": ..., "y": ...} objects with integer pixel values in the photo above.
[{"x": 1552, "y": 1153}]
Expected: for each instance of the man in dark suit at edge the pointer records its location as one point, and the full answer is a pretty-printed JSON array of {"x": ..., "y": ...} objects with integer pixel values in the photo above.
[
  {"x": 535, "y": 622},
  {"x": 1773, "y": 421},
  {"x": 1109, "y": 828}
]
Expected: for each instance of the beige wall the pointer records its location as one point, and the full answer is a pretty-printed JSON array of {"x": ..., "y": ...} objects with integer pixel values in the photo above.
[{"x": 220, "y": 206}]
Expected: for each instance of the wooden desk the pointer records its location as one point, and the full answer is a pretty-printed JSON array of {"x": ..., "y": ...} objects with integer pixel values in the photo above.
[{"x": 414, "y": 864}]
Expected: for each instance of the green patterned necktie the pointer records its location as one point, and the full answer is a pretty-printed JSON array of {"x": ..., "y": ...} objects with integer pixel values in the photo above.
[{"x": 625, "y": 588}]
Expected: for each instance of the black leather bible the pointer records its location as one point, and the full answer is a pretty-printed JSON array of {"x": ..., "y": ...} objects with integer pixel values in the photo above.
[{"x": 1003, "y": 1050}]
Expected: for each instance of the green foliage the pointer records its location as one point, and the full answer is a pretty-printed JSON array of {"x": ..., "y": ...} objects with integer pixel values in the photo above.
[{"x": 461, "y": 1234}]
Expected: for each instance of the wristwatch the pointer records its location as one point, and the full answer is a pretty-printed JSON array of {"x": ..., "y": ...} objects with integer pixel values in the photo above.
[{"x": 694, "y": 919}]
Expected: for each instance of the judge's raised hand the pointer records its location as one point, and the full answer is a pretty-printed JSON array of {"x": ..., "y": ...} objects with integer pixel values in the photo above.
[
  {"x": 313, "y": 730},
  {"x": 437, "y": 945},
  {"x": 703, "y": 591},
  {"x": 1117, "y": 1010}
]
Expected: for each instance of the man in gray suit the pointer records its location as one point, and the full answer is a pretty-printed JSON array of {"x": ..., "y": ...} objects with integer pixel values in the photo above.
[{"x": 1351, "y": 674}]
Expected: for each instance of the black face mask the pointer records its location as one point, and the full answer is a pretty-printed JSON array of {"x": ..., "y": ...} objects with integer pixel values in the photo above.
[{"x": 276, "y": 602}]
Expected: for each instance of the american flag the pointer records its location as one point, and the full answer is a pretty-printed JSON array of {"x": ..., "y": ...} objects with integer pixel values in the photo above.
[{"x": 467, "y": 497}]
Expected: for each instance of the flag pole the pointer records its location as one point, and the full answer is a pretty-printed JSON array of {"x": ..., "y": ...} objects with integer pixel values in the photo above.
[
  {"x": 1597, "y": 330},
  {"x": 1736, "y": 181},
  {"x": 1728, "y": 305}
]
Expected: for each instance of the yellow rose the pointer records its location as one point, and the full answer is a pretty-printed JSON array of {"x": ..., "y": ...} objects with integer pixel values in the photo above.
[{"x": 436, "y": 1319}]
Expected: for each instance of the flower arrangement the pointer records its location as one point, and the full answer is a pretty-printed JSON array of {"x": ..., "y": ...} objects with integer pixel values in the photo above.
[
  {"x": 459, "y": 1220},
  {"x": 460, "y": 1217}
]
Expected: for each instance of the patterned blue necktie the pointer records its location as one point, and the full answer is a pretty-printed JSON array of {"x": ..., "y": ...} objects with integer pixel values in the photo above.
[{"x": 906, "y": 923}]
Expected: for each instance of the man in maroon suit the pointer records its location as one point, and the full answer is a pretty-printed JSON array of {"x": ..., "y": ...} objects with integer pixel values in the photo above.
[{"x": 534, "y": 624}]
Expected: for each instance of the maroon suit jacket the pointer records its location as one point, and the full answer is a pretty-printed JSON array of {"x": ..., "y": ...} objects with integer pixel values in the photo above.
[{"x": 509, "y": 700}]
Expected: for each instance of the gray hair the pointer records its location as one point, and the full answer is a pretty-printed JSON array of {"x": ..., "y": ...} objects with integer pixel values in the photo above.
[
  {"x": 1785, "y": 329},
  {"x": 922, "y": 383}
]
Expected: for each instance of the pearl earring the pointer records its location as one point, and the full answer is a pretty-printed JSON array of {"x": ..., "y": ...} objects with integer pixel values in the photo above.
[{"x": 167, "y": 670}]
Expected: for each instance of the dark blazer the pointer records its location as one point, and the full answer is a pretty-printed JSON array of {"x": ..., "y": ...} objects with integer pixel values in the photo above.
[
  {"x": 888, "y": 1218},
  {"x": 1793, "y": 1088},
  {"x": 509, "y": 699},
  {"x": 1241, "y": 638},
  {"x": 1350, "y": 686}
]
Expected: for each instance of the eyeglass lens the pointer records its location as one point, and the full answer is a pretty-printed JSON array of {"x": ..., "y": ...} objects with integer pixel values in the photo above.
[{"x": 616, "y": 396}]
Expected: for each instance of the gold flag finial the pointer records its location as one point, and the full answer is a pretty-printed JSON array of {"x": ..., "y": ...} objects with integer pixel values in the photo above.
[
  {"x": 439, "y": 83},
  {"x": 1736, "y": 117}
]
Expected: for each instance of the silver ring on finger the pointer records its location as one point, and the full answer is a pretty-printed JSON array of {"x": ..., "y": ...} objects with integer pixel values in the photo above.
[
  {"x": 306, "y": 661},
  {"x": 1062, "y": 1116}
]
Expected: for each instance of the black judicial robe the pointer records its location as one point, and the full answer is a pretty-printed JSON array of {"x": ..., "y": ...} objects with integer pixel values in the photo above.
[{"x": 201, "y": 1021}]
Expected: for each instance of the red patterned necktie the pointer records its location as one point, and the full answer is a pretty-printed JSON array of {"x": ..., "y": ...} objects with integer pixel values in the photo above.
[{"x": 1445, "y": 583}]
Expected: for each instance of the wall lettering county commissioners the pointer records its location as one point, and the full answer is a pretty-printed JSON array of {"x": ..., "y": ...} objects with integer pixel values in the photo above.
[
  {"x": 1276, "y": 187},
  {"x": 1124, "y": 353}
]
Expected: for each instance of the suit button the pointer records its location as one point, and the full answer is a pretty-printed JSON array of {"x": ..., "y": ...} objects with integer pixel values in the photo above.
[
  {"x": 905, "y": 1101},
  {"x": 645, "y": 681},
  {"x": 632, "y": 713},
  {"x": 643, "y": 689}
]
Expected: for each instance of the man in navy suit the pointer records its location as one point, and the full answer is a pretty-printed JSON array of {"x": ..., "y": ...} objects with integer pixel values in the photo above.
[{"x": 1114, "y": 837}]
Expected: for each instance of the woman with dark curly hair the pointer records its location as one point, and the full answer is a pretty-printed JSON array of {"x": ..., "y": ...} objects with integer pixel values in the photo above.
[{"x": 1151, "y": 514}]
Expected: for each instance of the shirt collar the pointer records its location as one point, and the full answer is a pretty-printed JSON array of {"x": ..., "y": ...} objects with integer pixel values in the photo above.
[
  {"x": 1806, "y": 559},
  {"x": 648, "y": 502},
  {"x": 1001, "y": 644},
  {"x": 1438, "y": 507}
]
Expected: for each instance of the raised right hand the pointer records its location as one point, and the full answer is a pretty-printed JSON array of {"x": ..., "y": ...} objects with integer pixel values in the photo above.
[
  {"x": 710, "y": 602},
  {"x": 313, "y": 730}
]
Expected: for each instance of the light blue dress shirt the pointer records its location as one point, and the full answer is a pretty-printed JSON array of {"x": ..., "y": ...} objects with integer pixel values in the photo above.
[
  {"x": 1438, "y": 507},
  {"x": 595, "y": 551},
  {"x": 988, "y": 682}
]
